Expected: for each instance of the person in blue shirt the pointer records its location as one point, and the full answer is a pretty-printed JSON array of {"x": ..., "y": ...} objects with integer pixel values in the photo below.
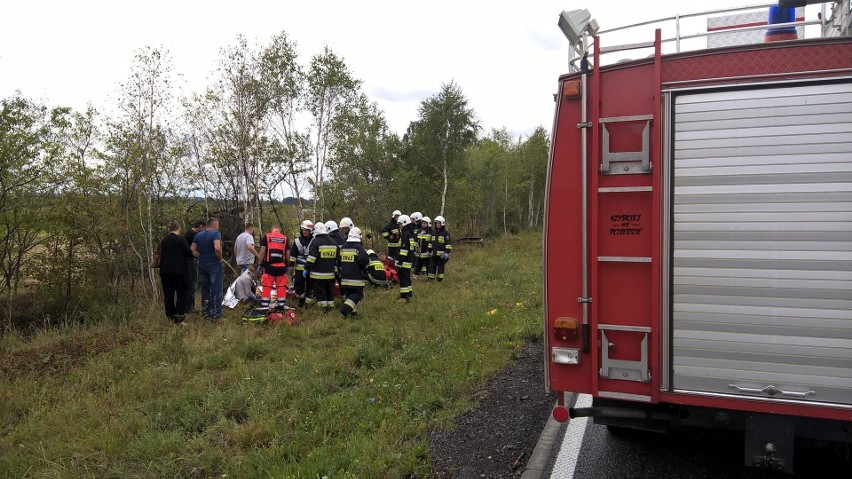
[{"x": 208, "y": 245}]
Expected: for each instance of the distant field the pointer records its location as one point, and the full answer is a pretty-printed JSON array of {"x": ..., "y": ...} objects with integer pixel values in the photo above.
[{"x": 329, "y": 398}]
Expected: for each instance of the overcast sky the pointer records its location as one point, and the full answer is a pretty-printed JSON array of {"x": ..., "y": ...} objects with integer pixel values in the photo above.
[{"x": 505, "y": 55}]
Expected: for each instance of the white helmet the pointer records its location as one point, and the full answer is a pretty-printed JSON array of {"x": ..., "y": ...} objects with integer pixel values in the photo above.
[
  {"x": 320, "y": 229},
  {"x": 403, "y": 220},
  {"x": 396, "y": 213},
  {"x": 369, "y": 251},
  {"x": 331, "y": 225},
  {"x": 427, "y": 220},
  {"x": 416, "y": 216},
  {"x": 354, "y": 234},
  {"x": 346, "y": 222},
  {"x": 440, "y": 219},
  {"x": 307, "y": 225}
]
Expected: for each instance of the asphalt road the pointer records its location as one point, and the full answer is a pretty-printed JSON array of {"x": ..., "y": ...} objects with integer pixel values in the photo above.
[{"x": 685, "y": 454}]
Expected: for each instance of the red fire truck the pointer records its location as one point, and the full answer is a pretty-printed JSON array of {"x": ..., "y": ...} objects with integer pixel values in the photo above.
[{"x": 698, "y": 236}]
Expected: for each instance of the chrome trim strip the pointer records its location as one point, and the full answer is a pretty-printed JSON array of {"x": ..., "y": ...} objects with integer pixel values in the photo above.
[
  {"x": 625, "y": 396},
  {"x": 625, "y": 189},
  {"x": 762, "y": 399},
  {"x": 665, "y": 246},
  {"x": 618, "y": 327},
  {"x": 625, "y": 259},
  {"x": 618, "y": 119},
  {"x": 584, "y": 228},
  {"x": 754, "y": 77}
]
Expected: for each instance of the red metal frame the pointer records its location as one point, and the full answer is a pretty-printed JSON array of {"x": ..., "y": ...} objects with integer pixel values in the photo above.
[{"x": 824, "y": 58}]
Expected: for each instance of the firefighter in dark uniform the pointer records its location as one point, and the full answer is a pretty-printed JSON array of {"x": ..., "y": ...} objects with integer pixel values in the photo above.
[
  {"x": 390, "y": 233},
  {"x": 376, "y": 270},
  {"x": 352, "y": 263},
  {"x": 441, "y": 248},
  {"x": 298, "y": 258},
  {"x": 334, "y": 233},
  {"x": 275, "y": 256},
  {"x": 346, "y": 224},
  {"x": 321, "y": 266},
  {"x": 406, "y": 256},
  {"x": 424, "y": 252}
]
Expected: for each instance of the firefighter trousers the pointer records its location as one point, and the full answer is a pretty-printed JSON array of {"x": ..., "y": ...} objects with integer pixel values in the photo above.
[
  {"x": 352, "y": 295},
  {"x": 304, "y": 287},
  {"x": 436, "y": 268},
  {"x": 324, "y": 290},
  {"x": 405, "y": 290}
]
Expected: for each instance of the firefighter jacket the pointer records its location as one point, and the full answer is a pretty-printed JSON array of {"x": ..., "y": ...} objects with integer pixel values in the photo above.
[
  {"x": 322, "y": 257},
  {"x": 407, "y": 248},
  {"x": 376, "y": 270},
  {"x": 352, "y": 262},
  {"x": 338, "y": 238},
  {"x": 424, "y": 238},
  {"x": 299, "y": 252},
  {"x": 441, "y": 243},
  {"x": 276, "y": 255},
  {"x": 391, "y": 233}
]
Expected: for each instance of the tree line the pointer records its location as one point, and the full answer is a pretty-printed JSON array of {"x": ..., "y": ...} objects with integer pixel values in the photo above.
[{"x": 85, "y": 196}]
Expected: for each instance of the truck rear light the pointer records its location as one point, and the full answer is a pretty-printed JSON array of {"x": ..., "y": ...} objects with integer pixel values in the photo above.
[
  {"x": 571, "y": 89},
  {"x": 566, "y": 328},
  {"x": 565, "y": 355},
  {"x": 560, "y": 413}
]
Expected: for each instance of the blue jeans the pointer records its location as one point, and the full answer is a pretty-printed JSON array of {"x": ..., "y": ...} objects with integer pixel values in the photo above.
[{"x": 211, "y": 289}]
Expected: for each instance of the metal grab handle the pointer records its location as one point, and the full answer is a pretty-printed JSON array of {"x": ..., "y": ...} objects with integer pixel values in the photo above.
[{"x": 773, "y": 391}]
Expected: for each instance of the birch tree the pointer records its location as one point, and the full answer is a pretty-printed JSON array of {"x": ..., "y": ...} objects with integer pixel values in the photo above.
[
  {"x": 445, "y": 127},
  {"x": 331, "y": 87}
]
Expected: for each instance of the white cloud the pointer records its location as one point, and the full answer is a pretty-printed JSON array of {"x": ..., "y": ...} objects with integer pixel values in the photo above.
[{"x": 506, "y": 55}]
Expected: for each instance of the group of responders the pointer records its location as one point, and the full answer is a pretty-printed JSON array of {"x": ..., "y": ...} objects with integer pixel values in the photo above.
[{"x": 327, "y": 255}]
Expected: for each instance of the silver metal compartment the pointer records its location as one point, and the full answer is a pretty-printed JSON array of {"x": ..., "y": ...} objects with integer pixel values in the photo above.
[{"x": 762, "y": 242}]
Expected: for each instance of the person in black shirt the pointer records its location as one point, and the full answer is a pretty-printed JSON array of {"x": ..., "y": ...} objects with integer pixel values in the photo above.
[
  {"x": 174, "y": 254},
  {"x": 192, "y": 268}
]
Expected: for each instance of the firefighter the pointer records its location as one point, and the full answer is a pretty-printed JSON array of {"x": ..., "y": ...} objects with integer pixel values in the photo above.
[
  {"x": 415, "y": 220},
  {"x": 390, "y": 233},
  {"x": 406, "y": 255},
  {"x": 345, "y": 225},
  {"x": 335, "y": 233},
  {"x": 424, "y": 253},
  {"x": 275, "y": 256},
  {"x": 298, "y": 257},
  {"x": 376, "y": 272},
  {"x": 321, "y": 264},
  {"x": 441, "y": 248},
  {"x": 352, "y": 263}
]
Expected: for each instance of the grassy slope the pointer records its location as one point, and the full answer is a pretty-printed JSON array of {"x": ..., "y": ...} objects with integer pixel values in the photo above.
[{"x": 329, "y": 398}]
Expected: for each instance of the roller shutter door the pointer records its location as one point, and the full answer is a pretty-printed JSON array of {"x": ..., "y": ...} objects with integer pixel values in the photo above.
[{"x": 762, "y": 243}]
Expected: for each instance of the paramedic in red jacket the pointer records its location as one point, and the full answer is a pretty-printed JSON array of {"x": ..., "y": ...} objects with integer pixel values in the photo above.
[{"x": 275, "y": 256}]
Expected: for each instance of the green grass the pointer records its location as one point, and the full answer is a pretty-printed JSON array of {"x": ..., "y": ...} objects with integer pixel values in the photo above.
[{"x": 329, "y": 398}]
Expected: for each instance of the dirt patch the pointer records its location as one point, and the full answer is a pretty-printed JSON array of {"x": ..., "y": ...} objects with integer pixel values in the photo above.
[
  {"x": 495, "y": 440},
  {"x": 60, "y": 356}
]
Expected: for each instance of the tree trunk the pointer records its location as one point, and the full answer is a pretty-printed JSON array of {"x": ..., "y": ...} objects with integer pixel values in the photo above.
[
  {"x": 70, "y": 268},
  {"x": 531, "y": 205},
  {"x": 444, "y": 189}
]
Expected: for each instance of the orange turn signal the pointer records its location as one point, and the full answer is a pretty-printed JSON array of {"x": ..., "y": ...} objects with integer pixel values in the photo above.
[
  {"x": 566, "y": 328},
  {"x": 571, "y": 89}
]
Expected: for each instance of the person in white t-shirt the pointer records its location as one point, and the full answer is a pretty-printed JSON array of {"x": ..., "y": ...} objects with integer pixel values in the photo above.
[{"x": 244, "y": 248}]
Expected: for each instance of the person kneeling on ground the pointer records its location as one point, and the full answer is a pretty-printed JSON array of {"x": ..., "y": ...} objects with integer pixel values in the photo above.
[
  {"x": 376, "y": 274},
  {"x": 244, "y": 287},
  {"x": 352, "y": 262},
  {"x": 390, "y": 268}
]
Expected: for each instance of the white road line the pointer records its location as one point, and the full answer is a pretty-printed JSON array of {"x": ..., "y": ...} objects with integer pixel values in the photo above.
[{"x": 569, "y": 452}]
